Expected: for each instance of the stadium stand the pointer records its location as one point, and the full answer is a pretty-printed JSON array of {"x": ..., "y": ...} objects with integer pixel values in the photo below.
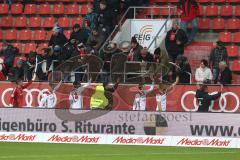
[{"x": 29, "y": 24}]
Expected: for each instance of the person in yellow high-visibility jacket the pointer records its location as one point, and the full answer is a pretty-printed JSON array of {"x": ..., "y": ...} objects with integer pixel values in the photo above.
[
  {"x": 103, "y": 98},
  {"x": 98, "y": 99}
]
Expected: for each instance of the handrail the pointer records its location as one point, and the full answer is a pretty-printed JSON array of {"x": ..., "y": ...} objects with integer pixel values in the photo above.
[{"x": 124, "y": 16}]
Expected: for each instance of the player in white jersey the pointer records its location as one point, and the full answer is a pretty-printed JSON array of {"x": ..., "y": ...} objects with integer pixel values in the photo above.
[
  {"x": 161, "y": 97},
  {"x": 49, "y": 98},
  {"x": 75, "y": 97},
  {"x": 140, "y": 98}
]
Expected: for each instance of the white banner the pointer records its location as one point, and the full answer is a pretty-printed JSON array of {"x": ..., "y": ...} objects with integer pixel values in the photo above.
[
  {"x": 146, "y": 30},
  {"x": 188, "y": 141}
]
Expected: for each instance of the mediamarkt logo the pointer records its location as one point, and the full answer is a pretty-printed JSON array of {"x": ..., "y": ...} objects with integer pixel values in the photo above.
[
  {"x": 206, "y": 142},
  {"x": 66, "y": 139},
  {"x": 139, "y": 140},
  {"x": 18, "y": 137}
]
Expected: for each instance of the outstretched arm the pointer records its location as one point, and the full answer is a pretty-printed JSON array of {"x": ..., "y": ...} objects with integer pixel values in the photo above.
[
  {"x": 27, "y": 84},
  {"x": 57, "y": 86}
]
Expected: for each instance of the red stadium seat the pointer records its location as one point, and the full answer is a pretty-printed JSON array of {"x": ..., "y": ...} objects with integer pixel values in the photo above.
[
  {"x": 58, "y": 9},
  {"x": 25, "y": 35},
  {"x": 30, "y": 9},
  {"x": 10, "y": 34},
  {"x": 237, "y": 10},
  {"x": 6, "y": 21},
  {"x": 44, "y": 9},
  {"x": 211, "y": 10},
  {"x": 236, "y": 37},
  {"x": 232, "y": 50},
  {"x": 218, "y": 23},
  {"x": 201, "y": 10},
  {"x": 39, "y": 35},
  {"x": 233, "y": 1},
  {"x": 236, "y": 66},
  {"x": 3, "y": 8},
  {"x": 226, "y": 10},
  {"x": 20, "y": 22},
  {"x": 16, "y": 8},
  {"x": 225, "y": 37},
  {"x": 34, "y": 22},
  {"x": 29, "y": 47},
  {"x": 40, "y": 48},
  {"x": 203, "y": 1},
  {"x": 49, "y": 34},
  {"x": 84, "y": 9},
  {"x": 153, "y": 11},
  {"x": 49, "y": 22},
  {"x": 77, "y": 20},
  {"x": 233, "y": 23},
  {"x": 64, "y": 22},
  {"x": 72, "y": 9},
  {"x": 166, "y": 11},
  {"x": 67, "y": 33},
  {"x": 173, "y": 1},
  {"x": 219, "y": 1},
  {"x": 204, "y": 23},
  {"x": 1, "y": 34},
  {"x": 19, "y": 46}
]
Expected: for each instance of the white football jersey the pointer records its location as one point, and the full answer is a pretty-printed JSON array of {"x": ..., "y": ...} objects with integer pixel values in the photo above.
[
  {"x": 162, "y": 101},
  {"x": 75, "y": 97},
  {"x": 48, "y": 100}
]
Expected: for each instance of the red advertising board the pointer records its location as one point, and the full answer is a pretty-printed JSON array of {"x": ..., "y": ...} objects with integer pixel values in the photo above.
[{"x": 181, "y": 98}]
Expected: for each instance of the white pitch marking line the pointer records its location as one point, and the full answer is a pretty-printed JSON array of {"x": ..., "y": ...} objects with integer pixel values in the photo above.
[{"x": 79, "y": 155}]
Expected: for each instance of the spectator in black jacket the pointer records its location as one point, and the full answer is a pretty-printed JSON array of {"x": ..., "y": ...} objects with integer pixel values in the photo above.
[
  {"x": 95, "y": 40},
  {"x": 226, "y": 73},
  {"x": 8, "y": 52},
  {"x": 105, "y": 19},
  {"x": 17, "y": 72},
  {"x": 108, "y": 92},
  {"x": 57, "y": 38},
  {"x": 218, "y": 54},
  {"x": 145, "y": 56},
  {"x": 134, "y": 53},
  {"x": 175, "y": 40},
  {"x": 204, "y": 98},
  {"x": 78, "y": 35},
  {"x": 183, "y": 70}
]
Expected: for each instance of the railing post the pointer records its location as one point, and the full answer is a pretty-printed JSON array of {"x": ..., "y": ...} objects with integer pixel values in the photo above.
[{"x": 134, "y": 13}]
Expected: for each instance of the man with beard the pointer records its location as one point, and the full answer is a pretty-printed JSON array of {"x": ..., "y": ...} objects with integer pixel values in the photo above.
[{"x": 175, "y": 40}]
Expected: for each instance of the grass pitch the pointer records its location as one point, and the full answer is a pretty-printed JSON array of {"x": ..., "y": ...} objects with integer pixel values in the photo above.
[{"x": 41, "y": 151}]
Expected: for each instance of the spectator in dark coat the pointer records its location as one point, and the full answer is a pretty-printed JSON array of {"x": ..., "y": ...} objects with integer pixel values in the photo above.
[
  {"x": 57, "y": 38},
  {"x": 135, "y": 50},
  {"x": 17, "y": 72},
  {"x": 183, "y": 70},
  {"x": 105, "y": 19},
  {"x": 91, "y": 17},
  {"x": 8, "y": 52},
  {"x": 226, "y": 73},
  {"x": 218, "y": 54},
  {"x": 95, "y": 40},
  {"x": 78, "y": 34},
  {"x": 175, "y": 40},
  {"x": 29, "y": 67},
  {"x": 145, "y": 56}
]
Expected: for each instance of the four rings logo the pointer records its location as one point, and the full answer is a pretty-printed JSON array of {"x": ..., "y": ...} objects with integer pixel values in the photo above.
[
  {"x": 30, "y": 97},
  {"x": 222, "y": 103}
]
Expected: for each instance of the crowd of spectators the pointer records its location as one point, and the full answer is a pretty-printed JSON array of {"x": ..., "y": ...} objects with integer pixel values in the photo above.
[{"x": 99, "y": 22}]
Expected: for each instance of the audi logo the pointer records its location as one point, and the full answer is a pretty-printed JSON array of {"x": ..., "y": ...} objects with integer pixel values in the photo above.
[
  {"x": 222, "y": 102},
  {"x": 29, "y": 98}
]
